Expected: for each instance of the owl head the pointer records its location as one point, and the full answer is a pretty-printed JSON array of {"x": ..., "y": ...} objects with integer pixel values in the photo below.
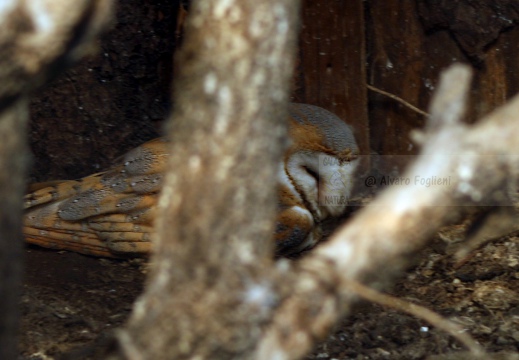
[{"x": 322, "y": 159}]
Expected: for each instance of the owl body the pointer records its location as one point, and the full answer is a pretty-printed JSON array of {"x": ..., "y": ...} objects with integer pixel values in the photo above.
[{"x": 111, "y": 213}]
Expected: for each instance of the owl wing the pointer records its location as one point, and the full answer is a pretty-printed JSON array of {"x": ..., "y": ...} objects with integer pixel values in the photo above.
[{"x": 106, "y": 214}]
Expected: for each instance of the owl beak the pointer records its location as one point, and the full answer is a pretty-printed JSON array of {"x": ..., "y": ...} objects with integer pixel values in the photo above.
[{"x": 335, "y": 185}]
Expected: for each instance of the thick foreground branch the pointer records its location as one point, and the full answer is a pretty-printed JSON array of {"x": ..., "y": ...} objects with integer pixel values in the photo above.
[
  {"x": 210, "y": 291},
  {"x": 37, "y": 39},
  {"x": 40, "y": 38},
  {"x": 375, "y": 245}
]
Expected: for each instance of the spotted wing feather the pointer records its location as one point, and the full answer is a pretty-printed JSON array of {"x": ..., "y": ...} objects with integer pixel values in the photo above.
[{"x": 105, "y": 214}]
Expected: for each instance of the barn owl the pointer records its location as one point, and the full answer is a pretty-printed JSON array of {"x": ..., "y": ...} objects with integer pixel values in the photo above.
[{"x": 111, "y": 213}]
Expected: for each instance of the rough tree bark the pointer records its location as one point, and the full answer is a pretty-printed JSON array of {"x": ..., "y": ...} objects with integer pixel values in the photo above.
[
  {"x": 37, "y": 39},
  {"x": 13, "y": 161},
  {"x": 380, "y": 240},
  {"x": 210, "y": 291}
]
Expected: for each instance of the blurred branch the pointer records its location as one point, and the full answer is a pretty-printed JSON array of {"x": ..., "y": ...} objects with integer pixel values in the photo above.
[
  {"x": 37, "y": 40},
  {"x": 211, "y": 288},
  {"x": 376, "y": 244}
]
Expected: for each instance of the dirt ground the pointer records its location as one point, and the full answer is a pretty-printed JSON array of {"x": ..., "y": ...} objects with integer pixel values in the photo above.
[{"x": 71, "y": 301}]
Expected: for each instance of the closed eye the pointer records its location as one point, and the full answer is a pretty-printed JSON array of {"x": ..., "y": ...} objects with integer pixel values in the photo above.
[{"x": 312, "y": 173}]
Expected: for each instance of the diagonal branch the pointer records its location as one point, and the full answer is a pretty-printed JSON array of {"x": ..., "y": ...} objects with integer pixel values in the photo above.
[{"x": 375, "y": 245}]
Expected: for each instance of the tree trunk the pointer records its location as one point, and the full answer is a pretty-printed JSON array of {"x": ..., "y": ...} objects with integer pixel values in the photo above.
[
  {"x": 210, "y": 291},
  {"x": 13, "y": 161},
  {"x": 37, "y": 38}
]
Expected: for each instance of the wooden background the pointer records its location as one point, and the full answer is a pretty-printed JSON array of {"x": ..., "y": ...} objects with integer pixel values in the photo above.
[{"x": 118, "y": 98}]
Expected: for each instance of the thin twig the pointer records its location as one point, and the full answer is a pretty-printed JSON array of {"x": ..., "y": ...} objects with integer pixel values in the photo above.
[
  {"x": 418, "y": 311},
  {"x": 396, "y": 98}
]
